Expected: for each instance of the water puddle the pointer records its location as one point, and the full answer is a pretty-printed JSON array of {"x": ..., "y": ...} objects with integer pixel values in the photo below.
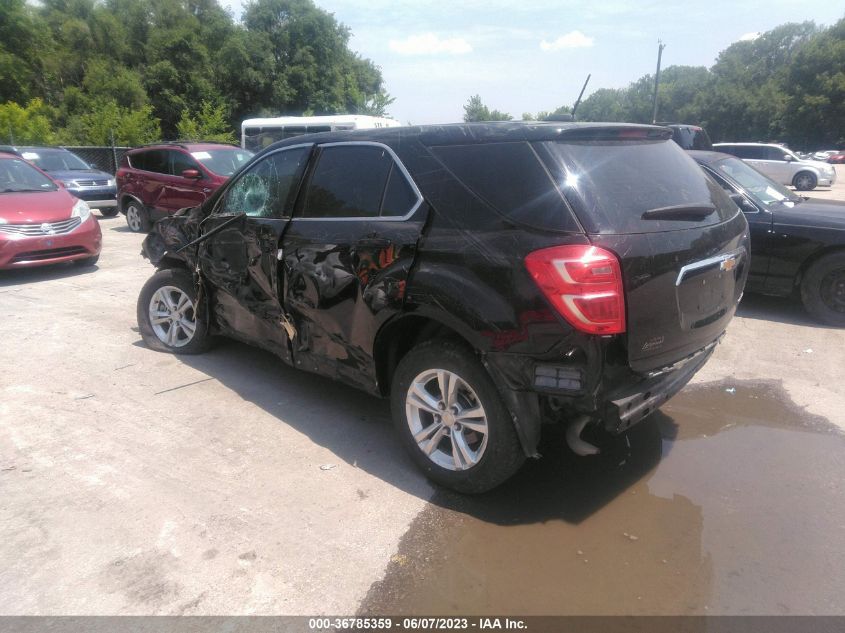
[{"x": 728, "y": 501}]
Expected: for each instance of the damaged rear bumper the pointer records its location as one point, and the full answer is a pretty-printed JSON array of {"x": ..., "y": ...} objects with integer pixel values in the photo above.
[{"x": 627, "y": 406}]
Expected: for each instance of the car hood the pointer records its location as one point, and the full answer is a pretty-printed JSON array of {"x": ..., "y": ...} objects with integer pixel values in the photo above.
[
  {"x": 818, "y": 164},
  {"x": 828, "y": 214},
  {"x": 76, "y": 174},
  {"x": 39, "y": 206}
]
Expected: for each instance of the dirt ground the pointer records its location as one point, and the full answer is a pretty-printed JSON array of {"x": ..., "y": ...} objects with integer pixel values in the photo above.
[{"x": 133, "y": 482}]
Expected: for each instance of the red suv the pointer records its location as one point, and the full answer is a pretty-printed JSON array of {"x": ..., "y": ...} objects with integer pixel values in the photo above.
[{"x": 157, "y": 180}]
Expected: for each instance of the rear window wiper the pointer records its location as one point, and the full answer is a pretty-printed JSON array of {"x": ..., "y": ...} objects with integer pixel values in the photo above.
[{"x": 689, "y": 212}]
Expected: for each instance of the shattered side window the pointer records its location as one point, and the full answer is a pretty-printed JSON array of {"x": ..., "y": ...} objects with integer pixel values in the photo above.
[{"x": 267, "y": 189}]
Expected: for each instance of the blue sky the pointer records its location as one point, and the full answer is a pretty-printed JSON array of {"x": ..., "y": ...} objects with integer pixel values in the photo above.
[{"x": 534, "y": 55}]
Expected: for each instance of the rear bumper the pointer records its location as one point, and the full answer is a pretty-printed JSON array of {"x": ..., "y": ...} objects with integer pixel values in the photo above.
[
  {"x": 23, "y": 252},
  {"x": 626, "y": 406}
]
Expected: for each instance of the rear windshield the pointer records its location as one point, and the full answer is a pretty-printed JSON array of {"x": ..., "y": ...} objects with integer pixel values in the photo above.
[
  {"x": 611, "y": 184},
  {"x": 56, "y": 161},
  {"x": 223, "y": 162},
  {"x": 512, "y": 181},
  {"x": 691, "y": 138}
]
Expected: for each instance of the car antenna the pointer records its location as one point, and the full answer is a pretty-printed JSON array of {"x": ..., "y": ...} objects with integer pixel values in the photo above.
[{"x": 570, "y": 116}]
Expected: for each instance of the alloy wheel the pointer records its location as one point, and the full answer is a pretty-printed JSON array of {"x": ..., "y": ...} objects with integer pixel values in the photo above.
[
  {"x": 133, "y": 217},
  {"x": 172, "y": 316},
  {"x": 446, "y": 419}
]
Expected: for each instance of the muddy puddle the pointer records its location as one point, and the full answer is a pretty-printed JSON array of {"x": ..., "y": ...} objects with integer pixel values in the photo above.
[{"x": 727, "y": 501}]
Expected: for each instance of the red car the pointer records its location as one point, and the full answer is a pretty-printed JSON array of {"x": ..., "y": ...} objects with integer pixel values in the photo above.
[
  {"x": 157, "y": 180},
  {"x": 40, "y": 222},
  {"x": 838, "y": 158}
]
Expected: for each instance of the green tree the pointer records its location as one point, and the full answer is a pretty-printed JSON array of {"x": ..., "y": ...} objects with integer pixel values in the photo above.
[
  {"x": 208, "y": 124},
  {"x": 95, "y": 127},
  {"x": 29, "y": 125},
  {"x": 475, "y": 110},
  {"x": 815, "y": 108}
]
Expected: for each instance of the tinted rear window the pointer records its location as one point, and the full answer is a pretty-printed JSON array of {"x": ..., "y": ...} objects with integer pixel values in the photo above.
[
  {"x": 610, "y": 184},
  {"x": 691, "y": 138},
  {"x": 510, "y": 178}
]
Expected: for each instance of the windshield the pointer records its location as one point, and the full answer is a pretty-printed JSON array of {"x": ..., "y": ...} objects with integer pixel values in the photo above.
[
  {"x": 18, "y": 175},
  {"x": 223, "y": 162},
  {"x": 56, "y": 161},
  {"x": 765, "y": 190}
]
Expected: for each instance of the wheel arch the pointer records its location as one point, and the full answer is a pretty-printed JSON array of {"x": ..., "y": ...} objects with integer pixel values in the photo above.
[
  {"x": 397, "y": 337},
  {"x": 125, "y": 198},
  {"x": 812, "y": 259}
]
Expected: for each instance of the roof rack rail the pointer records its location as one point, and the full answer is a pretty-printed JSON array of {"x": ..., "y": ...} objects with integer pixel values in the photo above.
[{"x": 184, "y": 144}]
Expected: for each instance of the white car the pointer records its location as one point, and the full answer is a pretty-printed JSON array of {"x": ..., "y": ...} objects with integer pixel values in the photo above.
[{"x": 782, "y": 164}]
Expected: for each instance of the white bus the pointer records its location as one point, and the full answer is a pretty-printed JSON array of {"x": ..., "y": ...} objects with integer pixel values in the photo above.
[{"x": 256, "y": 134}]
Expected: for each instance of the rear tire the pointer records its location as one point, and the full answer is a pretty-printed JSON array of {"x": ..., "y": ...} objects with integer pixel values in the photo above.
[
  {"x": 168, "y": 316},
  {"x": 108, "y": 212},
  {"x": 823, "y": 289},
  {"x": 464, "y": 440},
  {"x": 137, "y": 217},
  {"x": 805, "y": 181}
]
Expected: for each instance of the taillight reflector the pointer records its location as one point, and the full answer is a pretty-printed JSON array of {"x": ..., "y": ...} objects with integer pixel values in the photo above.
[{"x": 584, "y": 284}]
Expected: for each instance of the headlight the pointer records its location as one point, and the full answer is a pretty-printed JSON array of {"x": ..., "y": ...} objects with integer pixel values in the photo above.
[
  {"x": 70, "y": 184},
  {"x": 111, "y": 182},
  {"x": 81, "y": 210}
]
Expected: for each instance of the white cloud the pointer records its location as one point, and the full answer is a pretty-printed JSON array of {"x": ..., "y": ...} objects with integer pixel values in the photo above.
[
  {"x": 430, "y": 44},
  {"x": 573, "y": 39},
  {"x": 749, "y": 37}
]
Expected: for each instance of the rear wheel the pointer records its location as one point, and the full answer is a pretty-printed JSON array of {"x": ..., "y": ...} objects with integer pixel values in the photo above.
[
  {"x": 108, "y": 212},
  {"x": 805, "y": 181},
  {"x": 823, "y": 289},
  {"x": 452, "y": 420},
  {"x": 168, "y": 315},
  {"x": 137, "y": 217}
]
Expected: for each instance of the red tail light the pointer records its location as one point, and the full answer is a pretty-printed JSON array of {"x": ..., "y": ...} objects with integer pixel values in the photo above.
[{"x": 584, "y": 284}]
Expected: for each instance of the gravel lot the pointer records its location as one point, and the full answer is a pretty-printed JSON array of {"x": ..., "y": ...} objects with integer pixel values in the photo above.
[{"x": 133, "y": 482}]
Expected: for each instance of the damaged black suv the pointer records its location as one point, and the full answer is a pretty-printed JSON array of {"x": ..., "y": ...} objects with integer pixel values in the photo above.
[{"x": 486, "y": 278}]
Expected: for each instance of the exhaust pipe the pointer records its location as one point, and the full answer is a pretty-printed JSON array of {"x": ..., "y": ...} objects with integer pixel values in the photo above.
[{"x": 573, "y": 437}]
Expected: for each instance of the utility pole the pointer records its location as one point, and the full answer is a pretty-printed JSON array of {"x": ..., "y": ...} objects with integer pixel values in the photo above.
[{"x": 660, "y": 47}]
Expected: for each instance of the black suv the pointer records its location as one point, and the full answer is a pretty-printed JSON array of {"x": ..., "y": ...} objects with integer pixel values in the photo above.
[{"x": 484, "y": 277}]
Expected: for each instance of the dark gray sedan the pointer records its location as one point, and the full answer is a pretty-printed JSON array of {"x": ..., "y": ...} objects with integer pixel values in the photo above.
[{"x": 797, "y": 243}]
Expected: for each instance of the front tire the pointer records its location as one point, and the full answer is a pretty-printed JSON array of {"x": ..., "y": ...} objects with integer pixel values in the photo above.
[
  {"x": 168, "y": 316},
  {"x": 451, "y": 418},
  {"x": 823, "y": 289},
  {"x": 805, "y": 181},
  {"x": 108, "y": 212},
  {"x": 137, "y": 218}
]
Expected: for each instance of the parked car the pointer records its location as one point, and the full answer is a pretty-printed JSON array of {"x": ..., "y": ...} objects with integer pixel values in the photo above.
[
  {"x": 837, "y": 158},
  {"x": 797, "y": 244},
  {"x": 484, "y": 277},
  {"x": 40, "y": 222},
  {"x": 87, "y": 183},
  {"x": 157, "y": 180},
  {"x": 689, "y": 136},
  {"x": 824, "y": 154},
  {"x": 782, "y": 164}
]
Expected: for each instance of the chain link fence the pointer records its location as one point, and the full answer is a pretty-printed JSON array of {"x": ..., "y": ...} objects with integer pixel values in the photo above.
[{"x": 105, "y": 158}]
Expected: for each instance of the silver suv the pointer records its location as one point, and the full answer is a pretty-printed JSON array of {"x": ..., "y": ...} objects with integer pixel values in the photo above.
[{"x": 782, "y": 164}]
